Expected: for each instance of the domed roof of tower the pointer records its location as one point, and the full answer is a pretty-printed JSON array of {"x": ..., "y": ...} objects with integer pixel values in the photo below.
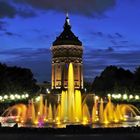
[{"x": 67, "y": 37}]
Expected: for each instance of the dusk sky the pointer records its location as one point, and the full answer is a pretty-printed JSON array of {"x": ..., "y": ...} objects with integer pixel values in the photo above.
[{"x": 108, "y": 29}]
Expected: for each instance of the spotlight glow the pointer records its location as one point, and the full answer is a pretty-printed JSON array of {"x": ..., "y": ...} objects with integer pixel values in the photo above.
[
  {"x": 137, "y": 97},
  {"x": 125, "y": 97}
]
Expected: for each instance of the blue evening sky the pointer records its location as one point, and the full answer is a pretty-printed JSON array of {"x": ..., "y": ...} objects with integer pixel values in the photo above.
[{"x": 108, "y": 29}]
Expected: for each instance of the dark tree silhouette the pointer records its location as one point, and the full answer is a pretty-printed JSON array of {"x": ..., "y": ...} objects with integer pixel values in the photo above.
[
  {"x": 113, "y": 79},
  {"x": 136, "y": 84},
  {"x": 16, "y": 80},
  {"x": 87, "y": 86}
]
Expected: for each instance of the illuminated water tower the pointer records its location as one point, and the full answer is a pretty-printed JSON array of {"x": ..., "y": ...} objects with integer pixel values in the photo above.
[{"x": 67, "y": 48}]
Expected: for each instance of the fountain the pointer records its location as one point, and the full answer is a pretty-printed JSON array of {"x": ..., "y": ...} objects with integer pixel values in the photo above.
[{"x": 71, "y": 109}]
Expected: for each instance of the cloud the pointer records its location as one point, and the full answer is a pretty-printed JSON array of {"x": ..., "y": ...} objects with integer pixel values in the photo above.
[
  {"x": 26, "y": 8},
  {"x": 121, "y": 43},
  {"x": 2, "y": 26},
  {"x": 119, "y": 35},
  {"x": 115, "y": 36},
  {"x": 11, "y": 34},
  {"x": 125, "y": 45},
  {"x": 124, "y": 41},
  {"x": 10, "y": 10},
  {"x": 108, "y": 36},
  {"x": 98, "y": 34},
  {"x": 117, "y": 57},
  {"x": 96, "y": 60},
  {"x": 25, "y": 53},
  {"x": 109, "y": 49},
  {"x": 114, "y": 42},
  {"x": 26, "y": 13},
  {"x": 7, "y": 10},
  {"x": 38, "y": 60},
  {"x": 41, "y": 68},
  {"x": 84, "y": 7}
]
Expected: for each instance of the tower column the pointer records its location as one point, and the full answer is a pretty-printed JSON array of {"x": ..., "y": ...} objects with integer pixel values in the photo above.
[{"x": 53, "y": 77}]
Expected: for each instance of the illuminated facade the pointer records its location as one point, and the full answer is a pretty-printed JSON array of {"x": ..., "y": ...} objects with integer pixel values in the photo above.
[{"x": 67, "y": 48}]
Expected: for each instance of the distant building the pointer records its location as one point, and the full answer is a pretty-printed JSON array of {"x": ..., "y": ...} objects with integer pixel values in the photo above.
[{"x": 66, "y": 48}]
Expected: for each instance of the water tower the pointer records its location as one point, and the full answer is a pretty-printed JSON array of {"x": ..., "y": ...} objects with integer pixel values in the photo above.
[{"x": 67, "y": 48}]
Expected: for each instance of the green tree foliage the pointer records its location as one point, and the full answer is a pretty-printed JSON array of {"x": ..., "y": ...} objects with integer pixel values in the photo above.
[
  {"x": 114, "y": 79},
  {"x": 16, "y": 80}
]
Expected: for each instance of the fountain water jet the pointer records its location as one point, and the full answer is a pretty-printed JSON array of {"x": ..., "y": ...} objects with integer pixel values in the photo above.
[{"x": 70, "y": 109}]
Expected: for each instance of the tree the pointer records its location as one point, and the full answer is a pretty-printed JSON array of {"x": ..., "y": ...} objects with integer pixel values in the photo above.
[
  {"x": 113, "y": 79},
  {"x": 16, "y": 80},
  {"x": 87, "y": 86},
  {"x": 136, "y": 84}
]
